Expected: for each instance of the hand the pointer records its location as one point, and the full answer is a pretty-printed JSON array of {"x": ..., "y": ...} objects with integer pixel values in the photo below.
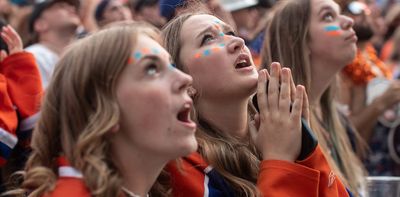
[
  {"x": 12, "y": 39},
  {"x": 390, "y": 97},
  {"x": 279, "y": 133}
]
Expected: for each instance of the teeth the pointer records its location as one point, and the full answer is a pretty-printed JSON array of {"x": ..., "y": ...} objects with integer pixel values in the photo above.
[
  {"x": 186, "y": 106},
  {"x": 242, "y": 61}
]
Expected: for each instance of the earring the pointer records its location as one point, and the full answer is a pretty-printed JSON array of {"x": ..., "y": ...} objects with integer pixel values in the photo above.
[{"x": 114, "y": 128}]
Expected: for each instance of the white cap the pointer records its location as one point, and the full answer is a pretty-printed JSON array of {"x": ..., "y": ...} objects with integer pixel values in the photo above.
[{"x": 233, "y": 5}]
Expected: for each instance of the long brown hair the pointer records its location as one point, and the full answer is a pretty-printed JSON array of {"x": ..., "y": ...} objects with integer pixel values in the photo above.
[
  {"x": 79, "y": 109},
  {"x": 286, "y": 42},
  {"x": 237, "y": 161}
]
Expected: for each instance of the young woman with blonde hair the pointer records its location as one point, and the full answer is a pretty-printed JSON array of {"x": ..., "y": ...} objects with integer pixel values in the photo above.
[
  {"x": 114, "y": 114},
  {"x": 316, "y": 41},
  {"x": 235, "y": 158}
]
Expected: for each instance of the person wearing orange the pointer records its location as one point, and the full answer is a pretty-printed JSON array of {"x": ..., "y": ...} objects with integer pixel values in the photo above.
[
  {"x": 115, "y": 112},
  {"x": 315, "y": 40},
  {"x": 242, "y": 152},
  {"x": 20, "y": 92}
]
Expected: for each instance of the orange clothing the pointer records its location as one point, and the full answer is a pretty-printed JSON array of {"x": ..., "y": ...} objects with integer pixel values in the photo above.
[
  {"x": 20, "y": 96},
  {"x": 309, "y": 178}
]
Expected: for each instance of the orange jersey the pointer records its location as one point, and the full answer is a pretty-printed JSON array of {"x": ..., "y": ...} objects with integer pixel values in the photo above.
[
  {"x": 309, "y": 178},
  {"x": 20, "y": 95}
]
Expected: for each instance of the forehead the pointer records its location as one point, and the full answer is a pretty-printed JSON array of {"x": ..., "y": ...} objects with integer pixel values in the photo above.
[
  {"x": 317, "y": 5},
  {"x": 144, "y": 41},
  {"x": 195, "y": 24}
]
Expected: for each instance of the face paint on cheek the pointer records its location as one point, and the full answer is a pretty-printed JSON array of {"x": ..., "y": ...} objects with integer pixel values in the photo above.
[
  {"x": 333, "y": 30},
  {"x": 209, "y": 51}
]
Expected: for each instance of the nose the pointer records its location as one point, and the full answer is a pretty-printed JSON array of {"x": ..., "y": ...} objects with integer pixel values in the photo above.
[
  {"x": 182, "y": 82},
  {"x": 347, "y": 22},
  {"x": 235, "y": 44}
]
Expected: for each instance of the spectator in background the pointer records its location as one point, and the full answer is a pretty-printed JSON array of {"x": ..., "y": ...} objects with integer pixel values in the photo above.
[
  {"x": 392, "y": 19},
  {"x": 369, "y": 108},
  {"x": 54, "y": 24},
  {"x": 20, "y": 96},
  {"x": 170, "y": 8},
  {"x": 148, "y": 11},
  {"x": 256, "y": 11},
  {"x": 109, "y": 11}
]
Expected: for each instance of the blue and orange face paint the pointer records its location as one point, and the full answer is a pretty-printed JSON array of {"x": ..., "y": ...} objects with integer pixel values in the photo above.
[
  {"x": 209, "y": 51},
  {"x": 137, "y": 55},
  {"x": 333, "y": 30}
]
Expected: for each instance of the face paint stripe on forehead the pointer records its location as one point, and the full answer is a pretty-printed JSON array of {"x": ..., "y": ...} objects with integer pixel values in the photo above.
[{"x": 137, "y": 55}]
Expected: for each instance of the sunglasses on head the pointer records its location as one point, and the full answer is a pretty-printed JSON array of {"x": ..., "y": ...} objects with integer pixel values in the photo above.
[{"x": 357, "y": 8}]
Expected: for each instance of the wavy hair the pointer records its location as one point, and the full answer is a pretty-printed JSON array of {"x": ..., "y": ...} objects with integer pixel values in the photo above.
[
  {"x": 286, "y": 41},
  {"x": 237, "y": 161},
  {"x": 79, "y": 109}
]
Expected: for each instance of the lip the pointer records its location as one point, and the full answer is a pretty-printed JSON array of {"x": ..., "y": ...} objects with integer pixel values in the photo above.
[
  {"x": 188, "y": 105},
  {"x": 246, "y": 57},
  {"x": 352, "y": 37}
]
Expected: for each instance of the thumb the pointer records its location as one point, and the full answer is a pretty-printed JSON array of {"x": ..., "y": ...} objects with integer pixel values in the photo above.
[{"x": 3, "y": 55}]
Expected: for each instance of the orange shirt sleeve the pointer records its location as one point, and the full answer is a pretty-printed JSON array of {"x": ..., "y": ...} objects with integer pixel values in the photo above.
[
  {"x": 309, "y": 178},
  {"x": 8, "y": 122},
  {"x": 23, "y": 82}
]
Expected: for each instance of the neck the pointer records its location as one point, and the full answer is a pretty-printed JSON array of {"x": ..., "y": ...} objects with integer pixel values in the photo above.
[
  {"x": 321, "y": 78},
  {"x": 362, "y": 45},
  {"x": 139, "y": 169},
  {"x": 229, "y": 115},
  {"x": 57, "y": 40}
]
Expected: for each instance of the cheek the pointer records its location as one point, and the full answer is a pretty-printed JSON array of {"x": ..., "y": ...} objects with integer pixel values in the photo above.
[{"x": 145, "y": 109}]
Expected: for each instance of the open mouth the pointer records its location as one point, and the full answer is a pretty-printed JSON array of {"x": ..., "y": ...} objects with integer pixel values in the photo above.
[
  {"x": 243, "y": 61},
  {"x": 184, "y": 113}
]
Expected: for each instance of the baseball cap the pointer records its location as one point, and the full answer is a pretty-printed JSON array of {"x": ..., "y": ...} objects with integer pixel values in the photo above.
[
  {"x": 233, "y": 5},
  {"x": 40, "y": 7},
  {"x": 167, "y": 7}
]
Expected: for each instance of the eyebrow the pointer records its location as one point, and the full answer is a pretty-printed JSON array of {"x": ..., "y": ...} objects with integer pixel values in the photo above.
[
  {"x": 224, "y": 28},
  {"x": 327, "y": 7},
  {"x": 152, "y": 57}
]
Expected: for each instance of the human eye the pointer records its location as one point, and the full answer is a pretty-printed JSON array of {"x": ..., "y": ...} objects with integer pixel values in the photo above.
[
  {"x": 231, "y": 33},
  {"x": 152, "y": 69},
  {"x": 206, "y": 39},
  {"x": 329, "y": 17}
]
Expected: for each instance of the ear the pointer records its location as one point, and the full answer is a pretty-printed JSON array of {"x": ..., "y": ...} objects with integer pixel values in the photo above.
[
  {"x": 115, "y": 128},
  {"x": 40, "y": 25},
  {"x": 192, "y": 92}
]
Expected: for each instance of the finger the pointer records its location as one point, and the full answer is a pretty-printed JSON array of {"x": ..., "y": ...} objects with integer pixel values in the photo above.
[
  {"x": 14, "y": 35},
  {"x": 257, "y": 121},
  {"x": 292, "y": 88},
  {"x": 253, "y": 131},
  {"x": 7, "y": 40},
  {"x": 284, "y": 94},
  {"x": 261, "y": 91},
  {"x": 273, "y": 87},
  {"x": 297, "y": 105},
  {"x": 306, "y": 106},
  {"x": 3, "y": 55}
]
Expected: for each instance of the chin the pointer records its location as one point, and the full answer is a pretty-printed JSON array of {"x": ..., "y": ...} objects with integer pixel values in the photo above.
[{"x": 187, "y": 148}]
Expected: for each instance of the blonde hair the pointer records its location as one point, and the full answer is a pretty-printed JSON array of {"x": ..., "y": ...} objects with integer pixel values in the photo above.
[
  {"x": 286, "y": 42},
  {"x": 79, "y": 109},
  {"x": 237, "y": 161}
]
